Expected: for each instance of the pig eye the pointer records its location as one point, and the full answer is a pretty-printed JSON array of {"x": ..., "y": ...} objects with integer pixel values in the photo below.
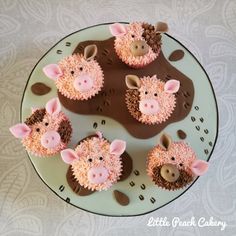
[
  {"x": 90, "y": 159},
  {"x": 181, "y": 164},
  {"x": 155, "y": 94},
  {"x": 132, "y": 35},
  {"x": 72, "y": 72},
  {"x": 100, "y": 158},
  {"x": 46, "y": 124},
  {"x": 81, "y": 68},
  {"x": 146, "y": 92},
  {"x": 38, "y": 129},
  {"x": 172, "y": 158}
]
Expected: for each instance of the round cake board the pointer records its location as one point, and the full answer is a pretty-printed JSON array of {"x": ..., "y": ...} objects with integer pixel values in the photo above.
[{"x": 201, "y": 127}]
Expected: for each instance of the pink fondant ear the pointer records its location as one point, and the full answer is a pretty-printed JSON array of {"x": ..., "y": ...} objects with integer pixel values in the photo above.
[
  {"x": 117, "y": 29},
  {"x": 53, "y": 106},
  {"x": 172, "y": 86},
  {"x": 69, "y": 155},
  {"x": 199, "y": 167},
  {"x": 117, "y": 147},
  {"x": 20, "y": 130},
  {"x": 52, "y": 71}
]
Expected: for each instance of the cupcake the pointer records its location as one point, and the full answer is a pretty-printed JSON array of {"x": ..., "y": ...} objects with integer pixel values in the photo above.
[
  {"x": 95, "y": 162},
  {"x": 173, "y": 165},
  {"x": 149, "y": 100},
  {"x": 138, "y": 44},
  {"x": 77, "y": 77},
  {"x": 46, "y": 132}
]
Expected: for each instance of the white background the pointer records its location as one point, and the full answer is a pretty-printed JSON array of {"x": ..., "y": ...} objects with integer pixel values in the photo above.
[{"x": 28, "y": 28}]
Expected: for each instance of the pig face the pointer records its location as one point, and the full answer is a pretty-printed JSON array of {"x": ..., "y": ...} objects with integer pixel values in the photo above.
[
  {"x": 173, "y": 165},
  {"x": 78, "y": 77},
  {"x": 46, "y": 132},
  {"x": 95, "y": 162},
  {"x": 156, "y": 99},
  {"x": 138, "y": 44}
]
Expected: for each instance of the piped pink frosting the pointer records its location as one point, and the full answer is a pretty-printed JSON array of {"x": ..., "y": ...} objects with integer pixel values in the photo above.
[
  {"x": 182, "y": 153},
  {"x": 165, "y": 100},
  {"x": 91, "y": 69},
  {"x": 122, "y": 47},
  {"x": 95, "y": 148}
]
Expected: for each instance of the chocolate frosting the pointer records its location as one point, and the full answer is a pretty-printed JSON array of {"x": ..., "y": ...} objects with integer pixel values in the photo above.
[{"x": 111, "y": 100}]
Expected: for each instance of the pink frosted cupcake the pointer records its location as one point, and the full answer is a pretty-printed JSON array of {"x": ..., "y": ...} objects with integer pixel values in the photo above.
[
  {"x": 149, "y": 100},
  {"x": 96, "y": 163},
  {"x": 173, "y": 165},
  {"x": 77, "y": 77},
  {"x": 138, "y": 44},
  {"x": 46, "y": 132}
]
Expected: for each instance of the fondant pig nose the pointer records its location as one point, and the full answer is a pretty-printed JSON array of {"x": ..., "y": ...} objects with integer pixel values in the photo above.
[
  {"x": 139, "y": 48},
  {"x": 149, "y": 106},
  {"x": 169, "y": 172},
  {"x": 50, "y": 139},
  {"x": 83, "y": 83},
  {"x": 97, "y": 175}
]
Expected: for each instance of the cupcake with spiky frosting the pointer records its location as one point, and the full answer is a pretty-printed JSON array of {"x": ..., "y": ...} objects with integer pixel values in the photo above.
[
  {"x": 46, "y": 131},
  {"x": 96, "y": 163},
  {"x": 138, "y": 44},
  {"x": 77, "y": 77},
  {"x": 173, "y": 165},
  {"x": 149, "y": 100}
]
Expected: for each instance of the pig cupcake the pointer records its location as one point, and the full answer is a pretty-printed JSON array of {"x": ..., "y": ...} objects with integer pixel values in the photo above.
[
  {"x": 96, "y": 163},
  {"x": 46, "y": 131},
  {"x": 149, "y": 100},
  {"x": 173, "y": 165},
  {"x": 138, "y": 44},
  {"x": 77, "y": 77}
]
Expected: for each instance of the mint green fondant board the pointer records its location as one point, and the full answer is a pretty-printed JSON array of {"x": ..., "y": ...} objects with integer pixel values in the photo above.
[{"x": 53, "y": 170}]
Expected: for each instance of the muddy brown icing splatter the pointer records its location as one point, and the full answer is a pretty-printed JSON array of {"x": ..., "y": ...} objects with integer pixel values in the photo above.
[
  {"x": 40, "y": 89},
  {"x": 111, "y": 100},
  {"x": 121, "y": 198},
  {"x": 181, "y": 134},
  {"x": 176, "y": 55}
]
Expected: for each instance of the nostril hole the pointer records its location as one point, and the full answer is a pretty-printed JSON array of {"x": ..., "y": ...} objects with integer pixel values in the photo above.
[
  {"x": 151, "y": 106},
  {"x": 145, "y": 105},
  {"x": 142, "y": 47},
  {"x": 52, "y": 138},
  {"x": 85, "y": 81},
  {"x": 100, "y": 174},
  {"x": 94, "y": 175},
  {"x": 173, "y": 175},
  {"x": 79, "y": 83},
  {"x": 167, "y": 171},
  {"x": 136, "y": 47}
]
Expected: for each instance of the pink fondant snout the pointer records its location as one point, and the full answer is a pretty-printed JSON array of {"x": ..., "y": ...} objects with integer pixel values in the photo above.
[
  {"x": 83, "y": 83},
  {"x": 149, "y": 106},
  {"x": 97, "y": 175},
  {"x": 50, "y": 139}
]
